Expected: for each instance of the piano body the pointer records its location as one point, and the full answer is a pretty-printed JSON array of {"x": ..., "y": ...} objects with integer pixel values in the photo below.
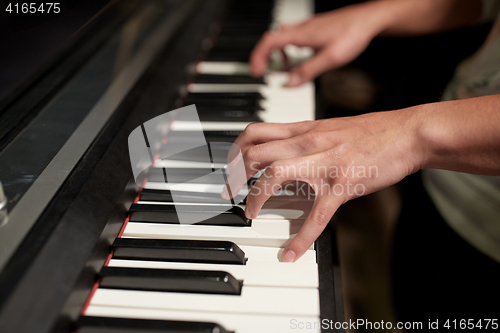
[{"x": 84, "y": 248}]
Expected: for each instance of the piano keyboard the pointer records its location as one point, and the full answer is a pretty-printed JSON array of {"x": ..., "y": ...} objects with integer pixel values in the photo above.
[{"x": 219, "y": 276}]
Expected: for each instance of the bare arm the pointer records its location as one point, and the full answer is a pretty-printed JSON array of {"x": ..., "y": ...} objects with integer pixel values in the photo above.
[
  {"x": 341, "y": 35},
  {"x": 461, "y": 135},
  {"x": 366, "y": 153},
  {"x": 420, "y": 17}
]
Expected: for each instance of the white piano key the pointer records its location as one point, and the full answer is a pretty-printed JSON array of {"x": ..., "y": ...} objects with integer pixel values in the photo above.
[
  {"x": 297, "y": 103},
  {"x": 166, "y": 163},
  {"x": 223, "y": 68},
  {"x": 254, "y": 273},
  {"x": 272, "y": 254},
  {"x": 253, "y": 300},
  {"x": 239, "y": 323},
  {"x": 206, "y": 188},
  {"x": 223, "y": 87},
  {"x": 208, "y": 125},
  {"x": 268, "y": 233},
  {"x": 284, "y": 104},
  {"x": 292, "y": 11},
  {"x": 191, "y": 187}
]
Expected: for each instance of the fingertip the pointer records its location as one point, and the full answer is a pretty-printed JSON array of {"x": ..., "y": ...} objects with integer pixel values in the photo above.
[
  {"x": 248, "y": 213},
  {"x": 255, "y": 72},
  {"x": 294, "y": 80},
  {"x": 257, "y": 68},
  {"x": 288, "y": 256}
]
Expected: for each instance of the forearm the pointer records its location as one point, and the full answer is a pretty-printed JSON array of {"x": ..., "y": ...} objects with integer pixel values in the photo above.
[
  {"x": 461, "y": 135},
  {"x": 421, "y": 17}
]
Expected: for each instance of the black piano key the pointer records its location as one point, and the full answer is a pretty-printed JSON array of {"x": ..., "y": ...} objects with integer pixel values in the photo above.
[
  {"x": 228, "y": 104},
  {"x": 226, "y": 95},
  {"x": 156, "y": 175},
  {"x": 185, "y": 196},
  {"x": 152, "y": 213},
  {"x": 91, "y": 324},
  {"x": 166, "y": 196},
  {"x": 214, "y": 110},
  {"x": 249, "y": 28},
  {"x": 228, "y": 136},
  {"x": 206, "y": 109},
  {"x": 211, "y": 135},
  {"x": 240, "y": 47},
  {"x": 181, "y": 137},
  {"x": 237, "y": 41},
  {"x": 228, "y": 56},
  {"x": 219, "y": 152},
  {"x": 248, "y": 34},
  {"x": 228, "y": 79},
  {"x": 177, "y": 250},
  {"x": 212, "y": 114},
  {"x": 208, "y": 134},
  {"x": 173, "y": 280},
  {"x": 215, "y": 136}
]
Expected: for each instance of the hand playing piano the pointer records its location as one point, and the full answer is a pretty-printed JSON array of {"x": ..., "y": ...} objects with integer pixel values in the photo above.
[
  {"x": 338, "y": 37},
  {"x": 340, "y": 159}
]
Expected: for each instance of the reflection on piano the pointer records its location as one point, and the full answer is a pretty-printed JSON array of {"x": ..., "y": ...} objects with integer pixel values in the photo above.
[{"x": 87, "y": 251}]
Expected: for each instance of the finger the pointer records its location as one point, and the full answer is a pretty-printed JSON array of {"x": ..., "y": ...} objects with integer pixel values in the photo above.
[
  {"x": 235, "y": 182},
  {"x": 259, "y": 57},
  {"x": 311, "y": 68},
  {"x": 268, "y": 183},
  {"x": 286, "y": 27},
  {"x": 259, "y": 133},
  {"x": 323, "y": 209},
  {"x": 258, "y": 157},
  {"x": 286, "y": 61}
]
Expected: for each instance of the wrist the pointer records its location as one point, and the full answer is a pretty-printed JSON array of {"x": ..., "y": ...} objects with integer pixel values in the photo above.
[
  {"x": 417, "y": 137},
  {"x": 432, "y": 138},
  {"x": 383, "y": 15}
]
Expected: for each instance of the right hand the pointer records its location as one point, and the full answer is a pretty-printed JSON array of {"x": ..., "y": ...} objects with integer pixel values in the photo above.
[
  {"x": 313, "y": 152},
  {"x": 338, "y": 37}
]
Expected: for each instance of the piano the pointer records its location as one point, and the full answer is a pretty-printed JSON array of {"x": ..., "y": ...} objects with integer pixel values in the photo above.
[{"x": 84, "y": 248}]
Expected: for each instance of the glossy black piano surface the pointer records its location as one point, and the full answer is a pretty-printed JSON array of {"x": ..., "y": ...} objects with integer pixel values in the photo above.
[{"x": 65, "y": 116}]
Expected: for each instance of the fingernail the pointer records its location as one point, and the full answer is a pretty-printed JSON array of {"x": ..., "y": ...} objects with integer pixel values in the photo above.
[
  {"x": 293, "y": 79},
  {"x": 288, "y": 256}
]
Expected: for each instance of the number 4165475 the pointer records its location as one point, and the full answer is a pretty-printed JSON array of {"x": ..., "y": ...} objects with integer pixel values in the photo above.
[
  {"x": 471, "y": 324},
  {"x": 31, "y": 7}
]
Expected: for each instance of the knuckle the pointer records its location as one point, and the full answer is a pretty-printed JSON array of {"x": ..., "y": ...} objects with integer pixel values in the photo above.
[
  {"x": 252, "y": 154},
  {"x": 313, "y": 139},
  {"x": 268, "y": 37},
  {"x": 275, "y": 169},
  {"x": 319, "y": 219},
  {"x": 301, "y": 243},
  {"x": 304, "y": 70},
  {"x": 251, "y": 130},
  {"x": 333, "y": 55}
]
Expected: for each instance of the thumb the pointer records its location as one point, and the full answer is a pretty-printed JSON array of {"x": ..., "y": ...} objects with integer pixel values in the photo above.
[{"x": 311, "y": 68}]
